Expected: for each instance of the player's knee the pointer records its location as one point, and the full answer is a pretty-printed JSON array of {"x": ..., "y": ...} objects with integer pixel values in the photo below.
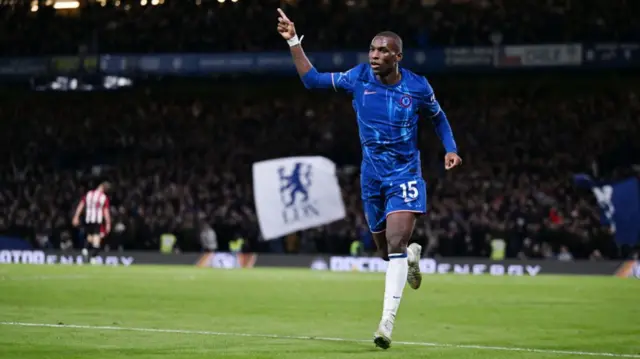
[
  {"x": 93, "y": 240},
  {"x": 399, "y": 229},
  {"x": 397, "y": 242}
]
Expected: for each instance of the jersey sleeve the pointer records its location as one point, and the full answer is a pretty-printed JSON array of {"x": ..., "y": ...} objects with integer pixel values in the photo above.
[
  {"x": 334, "y": 80},
  {"x": 428, "y": 101},
  {"x": 430, "y": 105}
]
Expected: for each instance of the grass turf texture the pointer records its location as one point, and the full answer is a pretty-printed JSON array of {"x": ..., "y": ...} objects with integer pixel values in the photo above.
[{"x": 183, "y": 312}]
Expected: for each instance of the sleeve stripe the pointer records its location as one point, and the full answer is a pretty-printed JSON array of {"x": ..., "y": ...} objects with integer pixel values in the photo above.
[
  {"x": 436, "y": 114},
  {"x": 333, "y": 83}
]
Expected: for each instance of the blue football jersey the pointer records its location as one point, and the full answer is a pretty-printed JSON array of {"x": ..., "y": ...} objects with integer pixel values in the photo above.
[{"x": 388, "y": 118}]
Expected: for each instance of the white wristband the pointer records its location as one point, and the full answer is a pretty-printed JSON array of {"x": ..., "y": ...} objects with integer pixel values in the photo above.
[{"x": 295, "y": 40}]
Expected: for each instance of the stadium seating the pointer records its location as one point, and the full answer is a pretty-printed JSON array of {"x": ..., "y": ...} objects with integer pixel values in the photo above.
[{"x": 214, "y": 26}]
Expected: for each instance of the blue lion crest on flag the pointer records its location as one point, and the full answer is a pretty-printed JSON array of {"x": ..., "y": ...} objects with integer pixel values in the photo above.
[{"x": 296, "y": 184}]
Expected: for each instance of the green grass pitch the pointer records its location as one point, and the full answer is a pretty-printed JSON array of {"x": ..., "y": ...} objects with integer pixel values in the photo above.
[{"x": 159, "y": 312}]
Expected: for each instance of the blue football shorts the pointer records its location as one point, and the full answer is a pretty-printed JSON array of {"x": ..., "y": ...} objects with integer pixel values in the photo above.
[{"x": 381, "y": 198}]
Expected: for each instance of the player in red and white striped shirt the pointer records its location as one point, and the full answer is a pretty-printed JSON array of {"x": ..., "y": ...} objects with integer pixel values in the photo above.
[{"x": 97, "y": 218}]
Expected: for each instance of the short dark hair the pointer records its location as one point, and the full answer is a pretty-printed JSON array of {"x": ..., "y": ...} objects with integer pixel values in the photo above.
[
  {"x": 391, "y": 35},
  {"x": 106, "y": 186}
]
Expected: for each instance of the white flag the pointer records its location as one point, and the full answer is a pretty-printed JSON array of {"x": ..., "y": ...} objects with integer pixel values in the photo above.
[{"x": 296, "y": 193}]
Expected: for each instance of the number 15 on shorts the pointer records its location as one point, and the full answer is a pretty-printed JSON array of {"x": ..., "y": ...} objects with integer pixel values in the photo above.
[{"x": 409, "y": 191}]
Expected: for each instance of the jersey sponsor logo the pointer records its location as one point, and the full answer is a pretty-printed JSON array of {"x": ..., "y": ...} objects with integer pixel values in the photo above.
[{"x": 405, "y": 101}]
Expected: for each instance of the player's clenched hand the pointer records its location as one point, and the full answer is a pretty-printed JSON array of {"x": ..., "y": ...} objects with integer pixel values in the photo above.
[
  {"x": 75, "y": 222},
  {"x": 452, "y": 160},
  {"x": 285, "y": 26}
]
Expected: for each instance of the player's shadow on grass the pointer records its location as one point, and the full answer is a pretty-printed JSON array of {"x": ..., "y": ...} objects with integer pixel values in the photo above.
[{"x": 337, "y": 347}]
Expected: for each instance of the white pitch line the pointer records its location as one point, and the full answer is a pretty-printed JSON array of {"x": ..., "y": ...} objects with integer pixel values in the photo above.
[
  {"x": 44, "y": 277},
  {"x": 80, "y": 276},
  {"x": 296, "y": 337}
]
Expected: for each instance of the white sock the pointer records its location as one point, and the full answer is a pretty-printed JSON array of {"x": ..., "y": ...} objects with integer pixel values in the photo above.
[{"x": 396, "y": 278}]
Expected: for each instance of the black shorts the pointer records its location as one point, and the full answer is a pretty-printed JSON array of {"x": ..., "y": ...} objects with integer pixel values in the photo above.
[{"x": 92, "y": 229}]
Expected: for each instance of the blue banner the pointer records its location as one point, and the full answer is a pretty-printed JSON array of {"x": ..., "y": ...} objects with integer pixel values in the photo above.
[
  {"x": 483, "y": 58},
  {"x": 13, "y": 243},
  {"x": 612, "y": 55},
  {"x": 434, "y": 60},
  {"x": 272, "y": 62},
  {"x": 619, "y": 206},
  {"x": 23, "y": 66}
]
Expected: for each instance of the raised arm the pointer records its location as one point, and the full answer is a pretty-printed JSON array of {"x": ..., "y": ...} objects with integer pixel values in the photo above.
[
  {"x": 287, "y": 30},
  {"x": 310, "y": 77}
]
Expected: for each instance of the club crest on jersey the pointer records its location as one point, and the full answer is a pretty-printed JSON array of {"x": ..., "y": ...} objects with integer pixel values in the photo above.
[{"x": 405, "y": 101}]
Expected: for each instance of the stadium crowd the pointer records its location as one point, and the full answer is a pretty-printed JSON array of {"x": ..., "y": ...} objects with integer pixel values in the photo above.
[
  {"x": 180, "y": 161},
  {"x": 248, "y": 25}
]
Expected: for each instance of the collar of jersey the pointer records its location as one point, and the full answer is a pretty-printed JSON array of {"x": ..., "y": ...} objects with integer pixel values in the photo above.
[{"x": 402, "y": 74}]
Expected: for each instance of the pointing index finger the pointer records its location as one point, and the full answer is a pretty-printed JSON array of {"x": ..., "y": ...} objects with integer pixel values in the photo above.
[{"x": 283, "y": 15}]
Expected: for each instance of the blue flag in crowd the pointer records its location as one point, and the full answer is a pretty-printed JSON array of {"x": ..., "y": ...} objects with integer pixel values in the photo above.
[
  {"x": 619, "y": 205},
  {"x": 583, "y": 180}
]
